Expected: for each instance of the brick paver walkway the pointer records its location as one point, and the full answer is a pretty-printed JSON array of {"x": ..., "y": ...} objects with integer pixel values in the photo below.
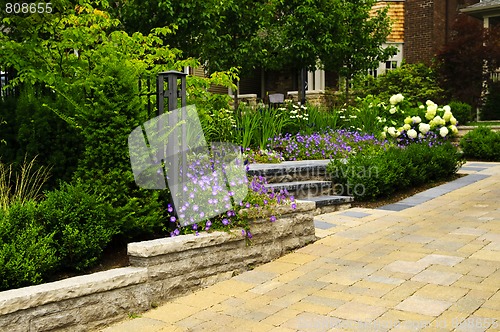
[{"x": 429, "y": 263}]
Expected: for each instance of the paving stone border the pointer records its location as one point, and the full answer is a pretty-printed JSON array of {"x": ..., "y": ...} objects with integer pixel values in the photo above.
[
  {"x": 160, "y": 270},
  {"x": 429, "y": 194}
]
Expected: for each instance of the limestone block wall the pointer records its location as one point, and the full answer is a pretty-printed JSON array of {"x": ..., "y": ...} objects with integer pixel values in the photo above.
[{"x": 160, "y": 270}]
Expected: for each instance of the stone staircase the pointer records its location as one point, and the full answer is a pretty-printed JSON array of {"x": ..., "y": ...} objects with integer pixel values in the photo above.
[{"x": 306, "y": 180}]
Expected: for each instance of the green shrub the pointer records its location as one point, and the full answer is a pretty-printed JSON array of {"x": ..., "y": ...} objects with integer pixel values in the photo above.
[
  {"x": 104, "y": 167},
  {"x": 415, "y": 81},
  {"x": 27, "y": 251},
  {"x": 462, "y": 112},
  {"x": 481, "y": 143},
  {"x": 82, "y": 224},
  {"x": 380, "y": 173}
]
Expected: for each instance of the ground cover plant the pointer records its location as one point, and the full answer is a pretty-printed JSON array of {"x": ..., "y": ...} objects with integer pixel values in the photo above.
[{"x": 331, "y": 144}]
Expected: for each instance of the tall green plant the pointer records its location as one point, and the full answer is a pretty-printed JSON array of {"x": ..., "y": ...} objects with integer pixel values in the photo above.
[
  {"x": 247, "y": 122},
  {"x": 272, "y": 122},
  {"x": 321, "y": 120},
  {"x": 367, "y": 115}
]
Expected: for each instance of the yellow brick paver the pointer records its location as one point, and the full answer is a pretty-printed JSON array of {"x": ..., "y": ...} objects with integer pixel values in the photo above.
[{"x": 432, "y": 267}]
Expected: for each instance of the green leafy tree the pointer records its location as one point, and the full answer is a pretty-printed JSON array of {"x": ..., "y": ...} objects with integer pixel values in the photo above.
[{"x": 365, "y": 33}]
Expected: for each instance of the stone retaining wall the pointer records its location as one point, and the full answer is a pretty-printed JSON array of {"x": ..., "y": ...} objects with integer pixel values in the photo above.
[{"x": 160, "y": 270}]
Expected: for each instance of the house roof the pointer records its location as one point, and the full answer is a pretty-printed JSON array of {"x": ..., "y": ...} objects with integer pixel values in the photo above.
[{"x": 484, "y": 8}]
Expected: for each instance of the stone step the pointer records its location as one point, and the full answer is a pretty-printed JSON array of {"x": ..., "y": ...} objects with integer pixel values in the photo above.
[
  {"x": 330, "y": 203},
  {"x": 303, "y": 189},
  {"x": 289, "y": 171}
]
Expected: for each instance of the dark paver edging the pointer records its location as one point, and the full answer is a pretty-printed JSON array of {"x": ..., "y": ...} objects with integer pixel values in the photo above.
[{"x": 433, "y": 192}]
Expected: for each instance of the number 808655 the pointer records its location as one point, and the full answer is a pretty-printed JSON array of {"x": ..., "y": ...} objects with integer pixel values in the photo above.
[{"x": 28, "y": 8}]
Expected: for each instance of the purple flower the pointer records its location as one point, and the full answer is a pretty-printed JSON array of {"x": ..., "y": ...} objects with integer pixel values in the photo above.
[
  {"x": 243, "y": 232},
  {"x": 273, "y": 218},
  {"x": 169, "y": 208},
  {"x": 225, "y": 221},
  {"x": 249, "y": 235},
  {"x": 173, "y": 219},
  {"x": 294, "y": 206}
]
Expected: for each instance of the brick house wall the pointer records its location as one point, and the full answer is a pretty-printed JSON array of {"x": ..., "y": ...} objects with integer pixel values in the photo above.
[{"x": 428, "y": 27}]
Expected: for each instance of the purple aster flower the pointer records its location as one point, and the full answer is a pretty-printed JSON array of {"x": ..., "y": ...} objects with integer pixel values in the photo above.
[
  {"x": 169, "y": 208},
  {"x": 249, "y": 235},
  {"x": 173, "y": 219},
  {"x": 243, "y": 232},
  {"x": 225, "y": 221},
  {"x": 294, "y": 206},
  {"x": 273, "y": 218}
]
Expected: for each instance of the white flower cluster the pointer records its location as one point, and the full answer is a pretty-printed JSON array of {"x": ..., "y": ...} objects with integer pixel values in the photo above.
[
  {"x": 299, "y": 112},
  {"x": 440, "y": 119},
  {"x": 396, "y": 99}
]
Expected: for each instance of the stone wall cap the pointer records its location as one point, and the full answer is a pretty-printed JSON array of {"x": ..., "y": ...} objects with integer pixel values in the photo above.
[
  {"x": 168, "y": 245},
  {"x": 24, "y": 298}
]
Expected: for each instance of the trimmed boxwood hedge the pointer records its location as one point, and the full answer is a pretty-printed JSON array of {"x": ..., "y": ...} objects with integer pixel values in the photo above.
[{"x": 381, "y": 173}]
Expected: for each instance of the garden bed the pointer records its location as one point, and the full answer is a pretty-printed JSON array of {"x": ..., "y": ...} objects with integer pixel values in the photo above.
[{"x": 159, "y": 271}]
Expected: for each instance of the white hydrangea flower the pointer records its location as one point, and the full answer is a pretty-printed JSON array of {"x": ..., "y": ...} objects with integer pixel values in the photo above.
[
  {"x": 453, "y": 129},
  {"x": 447, "y": 115},
  {"x": 439, "y": 121},
  {"x": 443, "y": 131},
  {"x": 412, "y": 133},
  {"x": 432, "y": 108},
  {"x": 416, "y": 119},
  {"x": 453, "y": 121},
  {"x": 408, "y": 120},
  {"x": 393, "y": 110},
  {"x": 447, "y": 108},
  {"x": 424, "y": 128},
  {"x": 395, "y": 99},
  {"x": 406, "y": 127}
]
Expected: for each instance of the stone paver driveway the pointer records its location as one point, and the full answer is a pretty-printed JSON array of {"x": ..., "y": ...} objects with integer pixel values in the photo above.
[{"x": 429, "y": 263}]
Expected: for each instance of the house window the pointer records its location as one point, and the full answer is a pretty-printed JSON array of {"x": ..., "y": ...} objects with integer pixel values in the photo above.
[
  {"x": 373, "y": 72},
  {"x": 390, "y": 65}
]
